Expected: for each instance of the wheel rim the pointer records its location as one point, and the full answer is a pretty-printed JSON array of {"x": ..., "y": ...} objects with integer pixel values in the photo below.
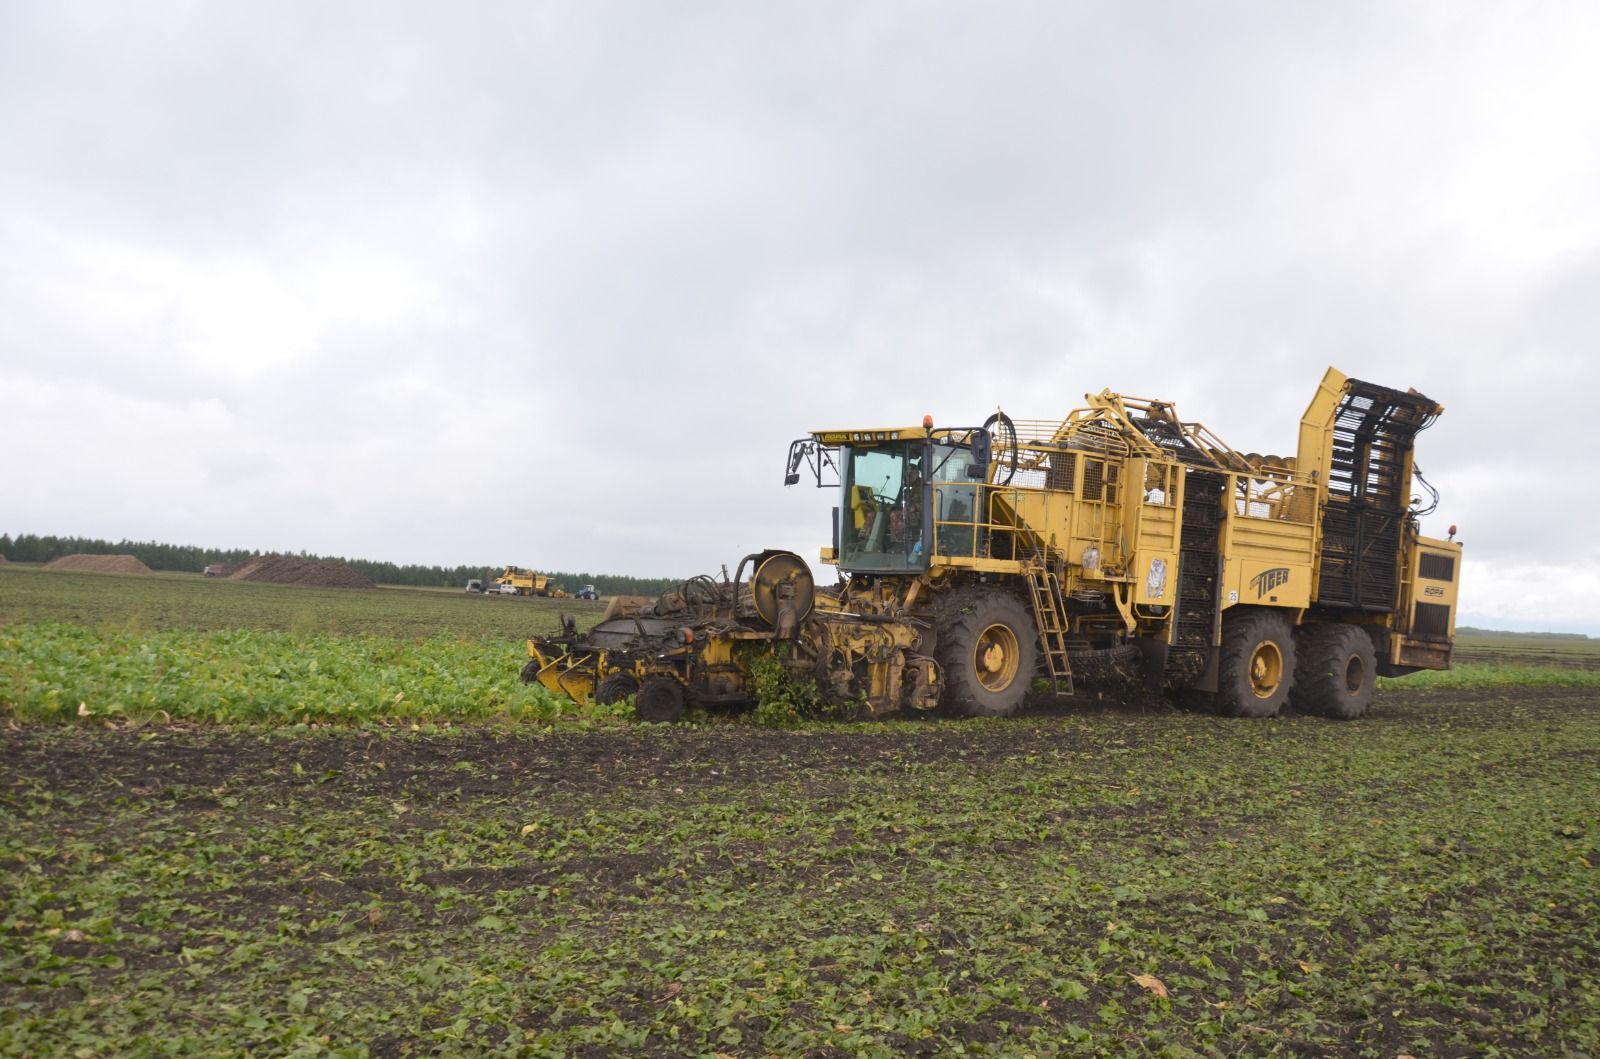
[
  {"x": 1355, "y": 674},
  {"x": 995, "y": 657},
  {"x": 1266, "y": 669}
]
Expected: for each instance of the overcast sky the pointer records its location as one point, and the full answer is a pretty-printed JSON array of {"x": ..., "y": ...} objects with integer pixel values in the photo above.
[{"x": 556, "y": 284}]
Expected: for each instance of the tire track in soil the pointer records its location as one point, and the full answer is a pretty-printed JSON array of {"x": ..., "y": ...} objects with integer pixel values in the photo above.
[{"x": 152, "y": 762}]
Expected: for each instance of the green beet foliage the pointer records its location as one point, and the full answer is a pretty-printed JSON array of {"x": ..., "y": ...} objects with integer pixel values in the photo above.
[{"x": 58, "y": 672}]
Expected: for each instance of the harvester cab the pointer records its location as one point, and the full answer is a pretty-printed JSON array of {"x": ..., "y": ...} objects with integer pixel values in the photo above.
[{"x": 895, "y": 486}]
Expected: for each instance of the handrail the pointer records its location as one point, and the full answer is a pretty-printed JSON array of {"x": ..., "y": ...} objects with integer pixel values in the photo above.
[{"x": 1264, "y": 494}]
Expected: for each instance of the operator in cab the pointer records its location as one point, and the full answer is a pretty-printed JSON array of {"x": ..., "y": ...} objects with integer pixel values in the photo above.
[{"x": 905, "y": 519}]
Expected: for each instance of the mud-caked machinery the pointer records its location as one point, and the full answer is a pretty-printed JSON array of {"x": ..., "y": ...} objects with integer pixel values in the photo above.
[{"x": 1118, "y": 544}]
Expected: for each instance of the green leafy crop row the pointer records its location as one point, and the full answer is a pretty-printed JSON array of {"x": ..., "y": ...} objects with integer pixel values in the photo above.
[
  {"x": 1498, "y": 675},
  {"x": 59, "y": 672}
]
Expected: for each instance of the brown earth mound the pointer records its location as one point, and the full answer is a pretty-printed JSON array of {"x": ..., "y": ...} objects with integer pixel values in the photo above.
[
  {"x": 99, "y": 564},
  {"x": 290, "y": 570}
]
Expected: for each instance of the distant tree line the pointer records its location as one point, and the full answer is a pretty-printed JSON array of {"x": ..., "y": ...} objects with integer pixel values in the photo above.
[{"x": 33, "y": 548}]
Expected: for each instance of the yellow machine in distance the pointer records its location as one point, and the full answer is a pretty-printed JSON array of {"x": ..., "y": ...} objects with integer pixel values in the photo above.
[
  {"x": 1117, "y": 541},
  {"x": 528, "y": 583}
]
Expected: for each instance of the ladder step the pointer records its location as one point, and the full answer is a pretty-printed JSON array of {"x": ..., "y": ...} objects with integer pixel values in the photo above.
[{"x": 1049, "y": 611}]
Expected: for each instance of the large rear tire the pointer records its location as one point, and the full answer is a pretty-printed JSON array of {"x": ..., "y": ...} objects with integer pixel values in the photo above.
[
  {"x": 987, "y": 648},
  {"x": 1257, "y": 665},
  {"x": 1337, "y": 672}
]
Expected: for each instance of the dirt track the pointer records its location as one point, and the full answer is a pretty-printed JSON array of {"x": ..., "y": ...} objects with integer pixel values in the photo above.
[{"x": 149, "y": 761}]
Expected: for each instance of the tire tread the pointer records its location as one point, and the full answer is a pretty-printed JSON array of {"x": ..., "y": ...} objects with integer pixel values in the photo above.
[
  {"x": 959, "y": 627},
  {"x": 1240, "y": 636},
  {"x": 1319, "y": 686}
]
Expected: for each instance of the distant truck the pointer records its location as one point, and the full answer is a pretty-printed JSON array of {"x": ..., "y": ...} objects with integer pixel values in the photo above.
[{"x": 520, "y": 582}]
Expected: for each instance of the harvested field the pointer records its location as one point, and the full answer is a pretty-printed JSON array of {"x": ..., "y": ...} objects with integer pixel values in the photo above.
[
  {"x": 99, "y": 564},
  {"x": 1102, "y": 881},
  {"x": 1531, "y": 649},
  {"x": 292, "y": 570}
]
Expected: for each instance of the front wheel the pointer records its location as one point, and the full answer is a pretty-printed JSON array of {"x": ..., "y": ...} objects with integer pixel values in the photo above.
[
  {"x": 660, "y": 699},
  {"x": 1257, "y": 665},
  {"x": 988, "y": 651},
  {"x": 615, "y": 687}
]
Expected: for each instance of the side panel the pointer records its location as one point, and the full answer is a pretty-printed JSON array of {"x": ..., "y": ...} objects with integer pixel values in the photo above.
[
  {"x": 1267, "y": 583},
  {"x": 1156, "y": 578},
  {"x": 1269, "y": 543},
  {"x": 1428, "y": 606},
  {"x": 1152, "y": 514},
  {"x": 1041, "y": 519}
]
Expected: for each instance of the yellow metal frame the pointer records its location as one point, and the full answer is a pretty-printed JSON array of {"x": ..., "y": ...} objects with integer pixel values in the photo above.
[{"x": 1121, "y": 538}]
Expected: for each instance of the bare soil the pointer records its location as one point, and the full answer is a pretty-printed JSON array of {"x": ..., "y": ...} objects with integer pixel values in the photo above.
[
  {"x": 151, "y": 758},
  {"x": 98, "y": 564},
  {"x": 292, "y": 570},
  {"x": 593, "y": 868}
]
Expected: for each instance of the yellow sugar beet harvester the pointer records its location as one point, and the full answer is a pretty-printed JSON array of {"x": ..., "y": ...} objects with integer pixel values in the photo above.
[{"x": 1117, "y": 543}]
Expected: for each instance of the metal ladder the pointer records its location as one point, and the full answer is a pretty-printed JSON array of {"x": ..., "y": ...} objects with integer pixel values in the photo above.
[{"x": 1050, "y": 614}]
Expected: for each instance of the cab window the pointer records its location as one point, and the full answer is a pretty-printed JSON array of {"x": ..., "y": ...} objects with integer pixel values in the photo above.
[{"x": 883, "y": 511}]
